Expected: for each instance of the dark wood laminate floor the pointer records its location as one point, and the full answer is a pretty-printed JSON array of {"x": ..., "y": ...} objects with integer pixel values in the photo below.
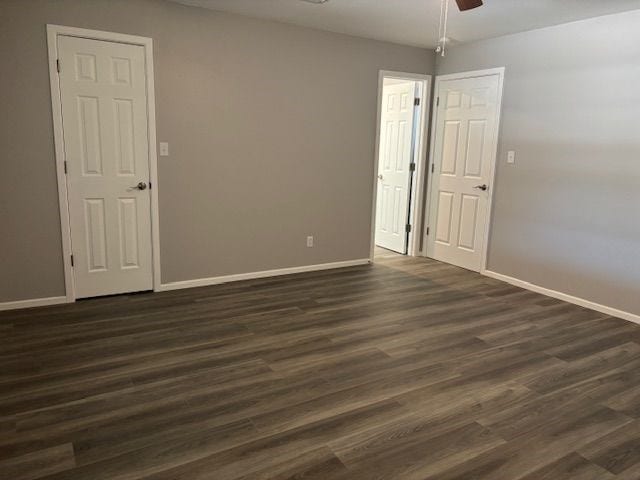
[{"x": 408, "y": 369}]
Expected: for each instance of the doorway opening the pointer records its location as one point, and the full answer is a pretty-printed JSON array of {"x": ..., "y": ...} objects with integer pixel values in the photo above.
[{"x": 400, "y": 162}]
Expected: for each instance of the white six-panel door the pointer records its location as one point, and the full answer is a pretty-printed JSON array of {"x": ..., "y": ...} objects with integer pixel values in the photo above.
[
  {"x": 104, "y": 99},
  {"x": 394, "y": 174},
  {"x": 464, "y": 152}
]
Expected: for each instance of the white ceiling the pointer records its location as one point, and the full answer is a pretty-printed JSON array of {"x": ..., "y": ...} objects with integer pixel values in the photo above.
[{"x": 415, "y": 22}]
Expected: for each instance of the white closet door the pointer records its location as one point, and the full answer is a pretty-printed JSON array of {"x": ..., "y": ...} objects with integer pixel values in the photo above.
[{"x": 104, "y": 110}]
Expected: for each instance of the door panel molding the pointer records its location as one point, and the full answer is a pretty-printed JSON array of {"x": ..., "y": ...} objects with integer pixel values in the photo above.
[
  {"x": 452, "y": 101},
  {"x": 53, "y": 32}
]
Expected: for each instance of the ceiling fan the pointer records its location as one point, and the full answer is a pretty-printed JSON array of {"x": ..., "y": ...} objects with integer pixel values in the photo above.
[
  {"x": 463, "y": 5},
  {"x": 468, "y": 4}
]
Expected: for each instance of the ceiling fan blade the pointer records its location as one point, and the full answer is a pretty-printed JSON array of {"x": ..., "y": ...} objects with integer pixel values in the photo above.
[{"x": 468, "y": 4}]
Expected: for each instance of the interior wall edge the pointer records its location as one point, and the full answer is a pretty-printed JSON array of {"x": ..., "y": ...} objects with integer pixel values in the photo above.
[
  {"x": 614, "y": 312},
  {"x": 200, "y": 282},
  {"x": 33, "y": 302},
  {"x": 203, "y": 282}
]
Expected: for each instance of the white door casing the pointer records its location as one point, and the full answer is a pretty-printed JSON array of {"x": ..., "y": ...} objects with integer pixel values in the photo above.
[
  {"x": 465, "y": 137},
  {"x": 394, "y": 161},
  {"x": 103, "y": 94}
]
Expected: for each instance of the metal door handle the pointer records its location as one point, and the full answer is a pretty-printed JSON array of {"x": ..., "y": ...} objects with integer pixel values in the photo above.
[
  {"x": 482, "y": 187},
  {"x": 380, "y": 176},
  {"x": 141, "y": 186}
]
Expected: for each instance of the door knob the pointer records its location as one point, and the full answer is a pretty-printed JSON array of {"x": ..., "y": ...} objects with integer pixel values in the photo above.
[
  {"x": 380, "y": 176},
  {"x": 482, "y": 187},
  {"x": 141, "y": 186}
]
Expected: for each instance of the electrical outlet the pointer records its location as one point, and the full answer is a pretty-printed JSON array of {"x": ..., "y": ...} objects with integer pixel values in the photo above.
[
  {"x": 309, "y": 241},
  {"x": 511, "y": 157},
  {"x": 164, "y": 149}
]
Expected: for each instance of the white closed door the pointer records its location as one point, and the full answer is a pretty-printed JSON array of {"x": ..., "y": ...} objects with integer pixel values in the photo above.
[
  {"x": 104, "y": 111},
  {"x": 394, "y": 162},
  {"x": 465, "y": 136}
]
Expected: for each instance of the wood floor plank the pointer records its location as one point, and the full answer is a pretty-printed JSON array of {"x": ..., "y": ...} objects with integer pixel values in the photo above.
[
  {"x": 539, "y": 413},
  {"x": 161, "y": 455},
  {"x": 518, "y": 458},
  {"x": 414, "y": 453},
  {"x": 317, "y": 464},
  {"x": 272, "y": 450},
  {"x": 350, "y": 398},
  {"x": 38, "y": 464},
  {"x": 621, "y": 356},
  {"x": 627, "y": 401},
  {"x": 632, "y": 473},
  {"x": 572, "y": 466},
  {"x": 618, "y": 451}
]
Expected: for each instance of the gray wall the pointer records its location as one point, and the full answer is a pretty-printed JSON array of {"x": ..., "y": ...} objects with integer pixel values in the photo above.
[
  {"x": 567, "y": 215},
  {"x": 271, "y": 130}
]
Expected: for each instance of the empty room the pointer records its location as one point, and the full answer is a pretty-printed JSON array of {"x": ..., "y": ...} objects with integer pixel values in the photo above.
[{"x": 320, "y": 239}]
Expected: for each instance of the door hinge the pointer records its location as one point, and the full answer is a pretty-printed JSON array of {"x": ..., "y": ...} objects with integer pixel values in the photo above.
[
  {"x": 412, "y": 167},
  {"x": 428, "y": 229},
  {"x": 407, "y": 228},
  {"x": 72, "y": 260},
  {"x": 433, "y": 167},
  {"x": 438, "y": 102},
  {"x": 58, "y": 65},
  {"x": 149, "y": 185},
  {"x": 416, "y": 101},
  {"x": 65, "y": 167}
]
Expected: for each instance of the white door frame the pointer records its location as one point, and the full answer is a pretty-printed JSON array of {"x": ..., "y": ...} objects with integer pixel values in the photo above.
[
  {"x": 492, "y": 173},
  {"x": 420, "y": 158},
  {"x": 53, "y": 31}
]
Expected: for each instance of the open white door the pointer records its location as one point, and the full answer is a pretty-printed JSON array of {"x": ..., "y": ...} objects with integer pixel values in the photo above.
[
  {"x": 104, "y": 110},
  {"x": 394, "y": 165},
  {"x": 464, "y": 154}
]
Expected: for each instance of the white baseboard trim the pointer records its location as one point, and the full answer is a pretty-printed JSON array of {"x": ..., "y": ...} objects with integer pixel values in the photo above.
[
  {"x": 203, "y": 282},
  {"x": 614, "y": 312},
  {"x": 33, "y": 302}
]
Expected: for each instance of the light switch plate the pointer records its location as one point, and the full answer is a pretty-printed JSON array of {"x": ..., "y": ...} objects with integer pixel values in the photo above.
[
  {"x": 511, "y": 156},
  {"x": 164, "y": 149}
]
